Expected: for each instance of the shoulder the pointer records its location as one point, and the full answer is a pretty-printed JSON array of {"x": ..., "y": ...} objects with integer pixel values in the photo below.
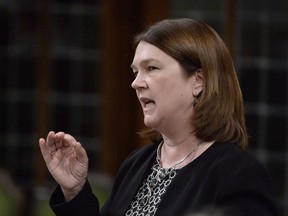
[
  {"x": 141, "y": 153},
  {"x": 242, "y": 164},
  {"x": 244, "y": 179},
  {"x": 139, "y": 159},
  {"x": 230, "y": 169},
  {"x": 226, "y": 161},
  {"x": 146, "y": 149},
  {"x": 230, "y": 155},
  {"x": 229, "y": 162}
]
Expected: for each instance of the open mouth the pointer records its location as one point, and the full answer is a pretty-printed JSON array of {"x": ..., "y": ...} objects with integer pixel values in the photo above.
[{"x": 147, "y": 103}]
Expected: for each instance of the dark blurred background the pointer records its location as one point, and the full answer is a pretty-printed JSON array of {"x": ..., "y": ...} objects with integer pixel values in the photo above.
[{"x": 65, "y": 67}]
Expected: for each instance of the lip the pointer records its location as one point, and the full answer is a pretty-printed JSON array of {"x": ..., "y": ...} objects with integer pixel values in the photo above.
[
  {"x": 145, "y": 99},
  {"x": 144, "y": 102}
]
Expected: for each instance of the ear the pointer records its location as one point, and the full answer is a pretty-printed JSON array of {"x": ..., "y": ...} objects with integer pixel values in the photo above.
[{"x": 198, "y": 84}]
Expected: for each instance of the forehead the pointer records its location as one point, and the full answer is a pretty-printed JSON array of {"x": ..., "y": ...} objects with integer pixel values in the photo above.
[{"x": 146, "y": 52}]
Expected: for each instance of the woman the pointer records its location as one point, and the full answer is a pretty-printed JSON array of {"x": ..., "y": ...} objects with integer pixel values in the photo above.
[{"x": 191, "y": 99}]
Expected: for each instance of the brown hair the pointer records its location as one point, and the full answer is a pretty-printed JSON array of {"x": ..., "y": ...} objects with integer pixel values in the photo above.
[{"x": 218, "y": 114}]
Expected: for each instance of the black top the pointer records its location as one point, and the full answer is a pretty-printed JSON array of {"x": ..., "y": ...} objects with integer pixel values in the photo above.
[{"x": 223, "y": 178}]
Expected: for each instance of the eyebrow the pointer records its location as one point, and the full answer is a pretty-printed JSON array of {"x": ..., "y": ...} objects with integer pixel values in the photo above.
[{"x": 144, "y": 62}]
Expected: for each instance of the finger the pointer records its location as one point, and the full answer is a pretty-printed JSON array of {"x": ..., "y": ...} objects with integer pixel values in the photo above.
[
  {"x": 59, "y": 139},
  {"x": 44, "y": 150},
  {"x": 69, "y": 141},
  {"x": 81, "y": 153},
  {"x": 50, "y": 141}
]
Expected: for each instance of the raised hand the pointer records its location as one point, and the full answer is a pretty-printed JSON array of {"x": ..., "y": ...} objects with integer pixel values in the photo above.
[{"x": 67, "y": 162}]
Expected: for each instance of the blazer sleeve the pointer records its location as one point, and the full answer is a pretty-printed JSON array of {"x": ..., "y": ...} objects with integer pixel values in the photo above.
[{"x": 84, "y": 204}]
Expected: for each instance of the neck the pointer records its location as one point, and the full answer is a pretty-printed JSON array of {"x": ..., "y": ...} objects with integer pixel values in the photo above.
[
  {"x": 186, "y": 149},
  {"x": 179, "y": 164}
]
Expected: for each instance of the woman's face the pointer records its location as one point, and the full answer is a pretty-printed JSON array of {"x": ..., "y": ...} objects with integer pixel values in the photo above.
[{"x": 163, "y": 88}]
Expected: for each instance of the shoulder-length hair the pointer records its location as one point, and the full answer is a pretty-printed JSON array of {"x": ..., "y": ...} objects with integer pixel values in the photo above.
[{"x": 219, "y": 113}]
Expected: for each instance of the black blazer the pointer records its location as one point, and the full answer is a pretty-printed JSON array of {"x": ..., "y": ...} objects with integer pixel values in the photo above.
[{"x": 223, "y": 178}]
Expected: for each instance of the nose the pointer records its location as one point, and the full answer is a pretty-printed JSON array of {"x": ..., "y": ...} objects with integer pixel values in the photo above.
[{"x": 139, "y": 82}]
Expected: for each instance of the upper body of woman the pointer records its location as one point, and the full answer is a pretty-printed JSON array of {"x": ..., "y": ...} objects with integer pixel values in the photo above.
[{"x": 191, "y": 100}]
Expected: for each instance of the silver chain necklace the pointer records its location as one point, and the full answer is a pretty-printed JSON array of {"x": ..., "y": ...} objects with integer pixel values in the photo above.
[
  {"x": 160, "y": 176},
  {"x": 158, "y": 158}
]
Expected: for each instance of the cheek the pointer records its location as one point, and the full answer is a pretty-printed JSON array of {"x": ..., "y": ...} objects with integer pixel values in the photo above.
[
  {"x": 182, "y": 98},
  {"x": 171, "y": 89},
  {"x": 171, "y": 99}
]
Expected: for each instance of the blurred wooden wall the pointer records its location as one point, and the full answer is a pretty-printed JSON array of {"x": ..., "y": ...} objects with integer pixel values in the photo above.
[
  {"x": 121, "y": 116},
  {"x": 121, "y": 113}
]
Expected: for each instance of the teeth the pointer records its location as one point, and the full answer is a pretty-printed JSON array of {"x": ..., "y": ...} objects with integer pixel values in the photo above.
[{"x": 149, "y": 104}]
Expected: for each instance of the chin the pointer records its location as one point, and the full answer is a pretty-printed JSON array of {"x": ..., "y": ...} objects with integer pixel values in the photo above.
[{"x": 149, "y": 122}]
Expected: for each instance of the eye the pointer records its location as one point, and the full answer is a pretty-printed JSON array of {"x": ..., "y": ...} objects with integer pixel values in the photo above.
[
  {"x": 151, "y": 68},
  {"x": 135, "y": 73}
]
